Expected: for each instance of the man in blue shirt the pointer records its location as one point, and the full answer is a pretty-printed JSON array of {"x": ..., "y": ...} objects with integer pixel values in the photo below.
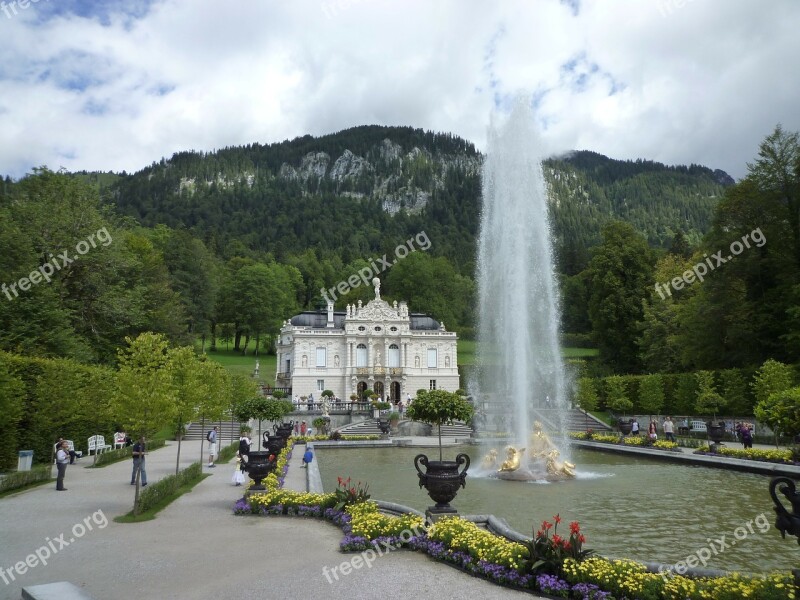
[
  {"x": 138, "y": 453},
  {"x": 307, "y": 457}
]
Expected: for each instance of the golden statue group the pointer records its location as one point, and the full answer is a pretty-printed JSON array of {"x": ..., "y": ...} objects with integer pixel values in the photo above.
[{"x": 542, "y": 450}]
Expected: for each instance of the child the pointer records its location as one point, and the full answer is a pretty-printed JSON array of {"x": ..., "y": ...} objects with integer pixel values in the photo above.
[
  {"x": 307, "y": 457},
  {"x": 238, "y": 475}
]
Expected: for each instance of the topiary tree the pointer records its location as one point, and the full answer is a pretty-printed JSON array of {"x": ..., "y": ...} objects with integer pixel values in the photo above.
[
  {"x": 651, "y": 394},
  {"x": 439, "y": 407},
  {"x": 617, "y": 395},
  {"x": 708, "y": 400},
  {"x": 781, "y": 412},
  {"x": 772, "y": 377}
]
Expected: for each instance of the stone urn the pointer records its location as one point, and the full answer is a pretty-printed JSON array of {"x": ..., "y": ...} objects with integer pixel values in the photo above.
[
  {"x": 442, "y": 480},
  {"x": 283, "y": 430},
  {"x": 625, "y": 425},
  {"x": 383, "y": 425},
  {"x": 716, "y": 433},
  {"x": 273, "y": 443},
  {"x": 258, "y": 466}
]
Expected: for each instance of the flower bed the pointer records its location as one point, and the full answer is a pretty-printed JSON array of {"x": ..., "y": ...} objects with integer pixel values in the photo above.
[
  {"x": 302, "y": 439},
  {"x": 481, "y": 553},
  {"x": 783, "y": 457},
  {"x": 635, "y": 440}
]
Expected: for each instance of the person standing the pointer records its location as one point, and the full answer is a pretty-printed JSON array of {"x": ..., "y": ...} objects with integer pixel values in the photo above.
[
  {"x": 62, "y": 460},
  {"x": 635, "y": 428},
  {"x": 669, "y": 429},
  {"x": 303, "y": 428},
  {"x": 138, "y": 453},
  {"x": 212, "y": 446},
  {"x": 244, "y": 449}
]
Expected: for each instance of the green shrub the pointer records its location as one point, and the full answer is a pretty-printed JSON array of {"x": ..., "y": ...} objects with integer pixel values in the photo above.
[
  {"x": 228, "y": 452},
  {"x": 19, "y": 479},
  {"x": 156, "y": 493}
]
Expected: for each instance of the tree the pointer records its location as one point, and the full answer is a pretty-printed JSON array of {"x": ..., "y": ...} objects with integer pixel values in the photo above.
[
  {"x": 651, "y": 394},
  {"x": 777, "y": 171},
  {"x": 263, "y": 409},
  {"x": 773, "y": 377},
  {"x": 616, "y": 394},
  {"x": 195, "y": 380},
  {"x": 586, "y": 397},
  {"x": 708, "y": 400},
  {"x": 781, "y": 412},
  {"x": 144, "y": 396},
  {"x": 439, "y": 407},
  {"x": 619, "y": 274}
]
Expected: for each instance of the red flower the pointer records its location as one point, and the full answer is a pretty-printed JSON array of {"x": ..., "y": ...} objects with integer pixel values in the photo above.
[
  {"x": 557, "y": 519},
  {"x": 546, "y": 525},
  {"x": 574, "y": 527},
  {"x": 567, "y": 546},
  {"x": 540, "y": 533},
  {"x": 582, "y": 539},
  {"x": 557, "y": 540}
]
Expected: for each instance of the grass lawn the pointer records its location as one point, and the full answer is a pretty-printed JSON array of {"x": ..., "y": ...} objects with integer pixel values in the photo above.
[
  {"x": 468, "y": 352},
  {"x": 236, "y": 363}
]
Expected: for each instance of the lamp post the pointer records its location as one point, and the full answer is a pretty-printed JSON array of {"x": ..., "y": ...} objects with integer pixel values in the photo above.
[{"x": 787, "y": 522}]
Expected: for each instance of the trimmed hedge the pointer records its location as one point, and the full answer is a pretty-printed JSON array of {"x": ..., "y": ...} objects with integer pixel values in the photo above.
[
  {"x": 680, "y": 391},
  {"x": 111, "y": 456},
  {"x": 55, "y": 398},
  {"x": 20, "y": 479},
  {"x": 163, "y": 489}
]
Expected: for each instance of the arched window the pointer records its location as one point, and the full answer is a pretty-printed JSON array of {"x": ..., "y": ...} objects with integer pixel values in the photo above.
[
  {"x": 394, "y": 355},
  {"x": 361, "y": 355}
]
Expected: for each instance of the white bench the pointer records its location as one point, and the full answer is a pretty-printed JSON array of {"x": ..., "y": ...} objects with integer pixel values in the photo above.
[
  {"x": 97, "y": 443},
  {"x": 119, "y": 439},
  {"x": 698, "y": 426}
]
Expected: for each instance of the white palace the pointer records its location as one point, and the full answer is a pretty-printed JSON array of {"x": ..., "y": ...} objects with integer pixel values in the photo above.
[{"x": 377, "y": 347}]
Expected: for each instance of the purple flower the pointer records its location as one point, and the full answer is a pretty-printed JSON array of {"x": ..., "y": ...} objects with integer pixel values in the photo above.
[{"x": 550, "y": 584}]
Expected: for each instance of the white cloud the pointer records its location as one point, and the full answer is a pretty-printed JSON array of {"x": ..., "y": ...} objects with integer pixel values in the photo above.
[{"x": 695, "y": 81}]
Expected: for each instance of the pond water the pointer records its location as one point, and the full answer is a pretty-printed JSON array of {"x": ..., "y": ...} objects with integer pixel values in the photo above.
[{"x": 636, "y": 508}]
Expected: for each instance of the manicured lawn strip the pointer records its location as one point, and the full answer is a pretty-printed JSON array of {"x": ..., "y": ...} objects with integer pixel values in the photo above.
[
  {"x": 21, "y": 480},
  {"x": 158, "y": 496},
  {"x": 26, "y": 487}
]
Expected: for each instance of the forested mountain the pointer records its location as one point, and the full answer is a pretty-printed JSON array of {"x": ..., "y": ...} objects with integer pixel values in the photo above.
[{"x": 362, "y": 190}]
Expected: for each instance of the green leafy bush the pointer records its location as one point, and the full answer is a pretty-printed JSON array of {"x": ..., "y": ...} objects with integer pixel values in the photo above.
[{"x": 160, "y": 491}]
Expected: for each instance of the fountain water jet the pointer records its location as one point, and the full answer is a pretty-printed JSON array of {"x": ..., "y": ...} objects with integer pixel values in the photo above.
[{"x": 521, "y": 371}]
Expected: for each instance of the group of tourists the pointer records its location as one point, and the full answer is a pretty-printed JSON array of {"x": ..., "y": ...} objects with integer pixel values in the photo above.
[{"x": 667, "y": 426}]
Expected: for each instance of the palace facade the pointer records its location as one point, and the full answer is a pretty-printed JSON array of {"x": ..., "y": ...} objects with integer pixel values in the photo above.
[{"x": 377, "y": 347}]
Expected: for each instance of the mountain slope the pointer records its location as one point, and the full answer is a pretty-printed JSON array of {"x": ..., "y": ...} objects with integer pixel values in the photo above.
[{"x": 358, "y": 191}]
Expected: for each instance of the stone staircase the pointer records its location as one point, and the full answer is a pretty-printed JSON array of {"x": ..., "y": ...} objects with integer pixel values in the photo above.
[
  {"x": 574, "y": 420},
  {"x": 366, "y": 427},
  {"x": 226, "y": 431}
]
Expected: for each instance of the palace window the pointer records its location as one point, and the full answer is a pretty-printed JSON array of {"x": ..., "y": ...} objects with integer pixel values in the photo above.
[
  {"x": 432, "y": 384},
  {"x": 361, "y": 355},
  {"x": 322, "y": 356},
  {"x": 432, "y": 358},
  {"x": 394, "y": 355}
]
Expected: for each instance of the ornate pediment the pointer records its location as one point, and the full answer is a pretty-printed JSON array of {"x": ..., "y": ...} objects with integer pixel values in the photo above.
[{"x": 377, "y": 310}]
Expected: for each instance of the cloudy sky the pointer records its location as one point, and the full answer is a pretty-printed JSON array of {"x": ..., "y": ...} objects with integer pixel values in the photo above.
[{"x": 118, "y": 84}]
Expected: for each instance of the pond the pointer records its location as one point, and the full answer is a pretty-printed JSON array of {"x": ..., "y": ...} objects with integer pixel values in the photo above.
[{"x": 629, "y": 507}]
